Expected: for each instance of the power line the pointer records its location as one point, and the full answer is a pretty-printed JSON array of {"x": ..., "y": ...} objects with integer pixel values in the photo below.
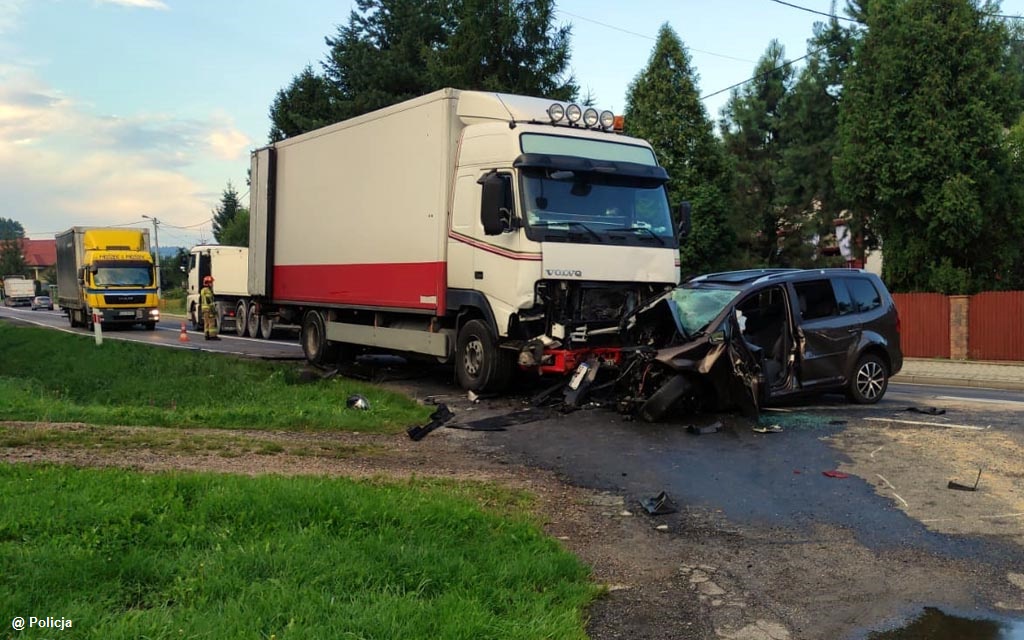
[
  {"x": 647, "y": 37},
  {"x": 760, "y": 75},
  {"x": 820, "y": 13}
]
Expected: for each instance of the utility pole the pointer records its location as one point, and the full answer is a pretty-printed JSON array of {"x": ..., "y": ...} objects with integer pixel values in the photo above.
[{"x": 156, "y": 243}]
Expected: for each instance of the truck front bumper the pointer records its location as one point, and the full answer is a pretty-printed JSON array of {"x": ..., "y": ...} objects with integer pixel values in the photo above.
[{"x": 128, "y": 316}]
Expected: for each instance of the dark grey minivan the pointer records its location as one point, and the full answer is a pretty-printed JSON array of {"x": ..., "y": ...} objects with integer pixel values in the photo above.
[{"x": 753, "y": 337}]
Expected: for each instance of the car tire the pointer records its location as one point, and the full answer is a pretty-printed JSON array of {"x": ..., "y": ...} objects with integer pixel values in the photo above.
[
  {"x": 480, "y": 364},
  {"x": 661, "y": 401},
  {"x": 869, "y": 381},
  {"x": 315, "y": 346}
]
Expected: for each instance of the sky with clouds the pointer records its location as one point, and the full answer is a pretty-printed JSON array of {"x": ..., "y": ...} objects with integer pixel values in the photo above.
[{"x": 115, "y": 109}]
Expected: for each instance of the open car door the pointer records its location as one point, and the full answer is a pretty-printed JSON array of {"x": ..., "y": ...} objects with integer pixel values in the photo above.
[{"x": 747, "y": 360}]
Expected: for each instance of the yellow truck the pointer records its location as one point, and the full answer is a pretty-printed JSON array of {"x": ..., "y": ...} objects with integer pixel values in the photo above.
[{"x": 107, "y": 275}]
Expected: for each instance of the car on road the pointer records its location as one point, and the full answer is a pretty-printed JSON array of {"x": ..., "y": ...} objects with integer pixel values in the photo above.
[
  {"x": 42, "y": 302},
  {"x": 754, "y": 337}
]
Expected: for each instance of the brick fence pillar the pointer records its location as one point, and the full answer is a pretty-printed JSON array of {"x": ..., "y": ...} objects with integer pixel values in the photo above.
[{"x": 959, "y": 306}]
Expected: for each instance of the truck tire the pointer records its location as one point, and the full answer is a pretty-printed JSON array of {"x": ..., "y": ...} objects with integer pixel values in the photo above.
[
  {"x": 318, "y": 350},
  {"x": 242, "y": 319},
  {"x": 252, "y": 322},
  {"x": 480, "y": 365},
  {"x": 266, "y": 326},
  {"x": 197, "y": 321},
  {"x": 150, "y": 326}
]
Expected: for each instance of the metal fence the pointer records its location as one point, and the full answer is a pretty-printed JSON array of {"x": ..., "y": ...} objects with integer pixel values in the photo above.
[
  {"x": 924, "y": 324},
  {"x": 995, "y": 326}
]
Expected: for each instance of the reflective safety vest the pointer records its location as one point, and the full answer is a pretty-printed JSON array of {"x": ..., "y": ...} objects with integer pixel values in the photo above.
[{"x": 206, "y": 298}]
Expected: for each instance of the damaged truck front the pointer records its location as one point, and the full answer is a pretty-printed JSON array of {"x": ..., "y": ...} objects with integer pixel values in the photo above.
[{"x": 486, "y": 230}]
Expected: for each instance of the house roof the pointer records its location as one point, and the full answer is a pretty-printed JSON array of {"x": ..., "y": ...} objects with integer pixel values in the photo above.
[{"x": 39, "y": 253}]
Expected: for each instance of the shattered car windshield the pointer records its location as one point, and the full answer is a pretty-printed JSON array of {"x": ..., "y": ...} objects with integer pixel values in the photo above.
[
  {"x": 573, "y": 201},
  {"x": 695, "y": 308}
]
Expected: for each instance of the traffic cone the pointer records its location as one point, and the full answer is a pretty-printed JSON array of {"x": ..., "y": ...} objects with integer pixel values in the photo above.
[{"x": 184, "y": 336}]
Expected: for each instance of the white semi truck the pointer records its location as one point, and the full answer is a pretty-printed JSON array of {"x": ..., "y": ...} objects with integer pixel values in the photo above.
[{"x": 486, "y": 230}]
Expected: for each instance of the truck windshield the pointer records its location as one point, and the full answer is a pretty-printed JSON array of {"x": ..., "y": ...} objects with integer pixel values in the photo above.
[
  {"x": 123, "y": 276},
  {"x": 566, "y": 205}
]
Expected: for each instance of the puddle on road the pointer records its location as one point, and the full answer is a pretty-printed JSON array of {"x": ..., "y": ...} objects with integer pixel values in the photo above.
[{"x": 934, "y": 624}]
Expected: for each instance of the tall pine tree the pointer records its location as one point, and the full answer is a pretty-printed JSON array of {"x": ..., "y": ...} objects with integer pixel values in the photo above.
[
  {"x": 664, "y": 107},
  {"x": 225, "y": 214},
  {"x": 750, "y": 126}
]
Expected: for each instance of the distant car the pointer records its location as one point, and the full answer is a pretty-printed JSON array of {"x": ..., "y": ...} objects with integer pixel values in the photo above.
[
  {"x": 758, "y": 336},
  {"x": 42, "y": 302}
]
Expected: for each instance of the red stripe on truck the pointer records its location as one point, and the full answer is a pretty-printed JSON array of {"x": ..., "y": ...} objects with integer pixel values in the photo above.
[{"x": 409, "y": 285}]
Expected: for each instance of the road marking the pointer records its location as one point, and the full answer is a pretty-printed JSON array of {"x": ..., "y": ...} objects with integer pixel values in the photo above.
[
  {"x": 988, "y": 400},
  {"x": 932, "y": 424},
  {"x": 888, "y": 484}
]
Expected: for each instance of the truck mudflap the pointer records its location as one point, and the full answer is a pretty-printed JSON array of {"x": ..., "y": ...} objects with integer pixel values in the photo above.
[{"x": 563, "y": 361}]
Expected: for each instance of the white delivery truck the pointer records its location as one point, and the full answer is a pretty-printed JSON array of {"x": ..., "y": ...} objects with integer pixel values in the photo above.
[
  {"x": 483, "y": 229},
  {"x": 18, "y": 291}
]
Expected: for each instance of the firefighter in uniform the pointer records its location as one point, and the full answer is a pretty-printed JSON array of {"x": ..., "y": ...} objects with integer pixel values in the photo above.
[{"x": 209, "y": 309}]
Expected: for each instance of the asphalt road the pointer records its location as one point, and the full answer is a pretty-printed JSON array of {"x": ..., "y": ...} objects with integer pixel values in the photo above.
[{"x": 284, "y": 345}]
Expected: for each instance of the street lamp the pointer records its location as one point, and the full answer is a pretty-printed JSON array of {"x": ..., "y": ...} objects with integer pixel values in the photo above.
[{"x": 156, "y": 243}]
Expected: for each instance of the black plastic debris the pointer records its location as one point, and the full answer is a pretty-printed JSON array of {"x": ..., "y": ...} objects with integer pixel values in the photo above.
[
  {"x": 928, "y": 411},
  {"x": 963, "y": 487},
  {"x": 659, "y": 505},
  {"x": 442, "y": 415},
  {"x": 579, "y": 384},
  {"x": 704, "y": 428}
]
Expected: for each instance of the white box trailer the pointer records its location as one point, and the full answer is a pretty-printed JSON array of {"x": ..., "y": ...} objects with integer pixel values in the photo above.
[{"x": 484, "y": 228}]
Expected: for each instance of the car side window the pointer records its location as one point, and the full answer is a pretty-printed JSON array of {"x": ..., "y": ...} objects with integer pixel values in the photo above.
[
  {"x": 865, "y": 296},
  {"x": 816, "y": 299},
  {"x": 843, "y": 301}
]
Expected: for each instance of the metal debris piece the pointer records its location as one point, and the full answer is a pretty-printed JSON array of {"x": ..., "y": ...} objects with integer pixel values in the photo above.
[
  {"x": 964, "y": 487},
  {"x": 774, "y": 428},
  {"x": 835, "y": 474},
  {"x": 442, "y": 415},
  {"x": 659, "y": 505},
  {"x": 704, "y": 428}
]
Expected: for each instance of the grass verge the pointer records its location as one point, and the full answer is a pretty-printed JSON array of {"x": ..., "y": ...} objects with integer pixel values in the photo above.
[
  {"x": 58, "y": 377},
  {"x": 130, "y": 555}
]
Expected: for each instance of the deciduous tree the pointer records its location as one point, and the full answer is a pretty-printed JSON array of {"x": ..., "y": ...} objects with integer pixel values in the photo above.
[{"x": 923, "y": 144}]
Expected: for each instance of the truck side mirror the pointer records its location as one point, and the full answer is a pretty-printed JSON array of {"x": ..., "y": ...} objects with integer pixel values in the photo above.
[
  {"x": 496, "y": 203},
  {"x": 684, "y": 221}
]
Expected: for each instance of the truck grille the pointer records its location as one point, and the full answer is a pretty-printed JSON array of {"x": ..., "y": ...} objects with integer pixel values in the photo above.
[{"x": 118, "y": 298}]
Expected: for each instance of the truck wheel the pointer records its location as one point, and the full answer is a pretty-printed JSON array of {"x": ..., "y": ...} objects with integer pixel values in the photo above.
[
  {"x": 870, "y": 380},
  {"x": 480, "y": 365},
  {"x": 150, "y": 326},
  {"x": 241, "y": 319},
  {"x": 318, "y": 350},
  {"x": 193, "y": 315},
  {"x": 252, "y": 322},
  {"x": 266, "y": 326}
]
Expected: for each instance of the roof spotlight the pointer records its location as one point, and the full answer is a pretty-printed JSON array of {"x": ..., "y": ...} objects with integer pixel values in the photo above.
[
  {"x": 590, "y": 117},
  {"x": 556, "y": 112},
  {"x": 573, "y": 113},
  {"x": 607, "y": 119}
]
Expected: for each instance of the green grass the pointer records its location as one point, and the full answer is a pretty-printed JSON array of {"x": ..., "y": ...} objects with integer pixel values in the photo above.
[
  {"x": 58, "y": 377},
  {"x": 169, "y": 556}
]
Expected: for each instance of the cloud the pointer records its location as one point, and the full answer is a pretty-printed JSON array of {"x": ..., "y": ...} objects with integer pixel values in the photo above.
[
  {"x": 9, "y": 13},
  {"x": 137, "y": 4},
  {"x": 63, "y": 165}
]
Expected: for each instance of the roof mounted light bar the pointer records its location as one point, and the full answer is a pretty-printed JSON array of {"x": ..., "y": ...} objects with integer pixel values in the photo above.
[{"x": 573, "y": 113}]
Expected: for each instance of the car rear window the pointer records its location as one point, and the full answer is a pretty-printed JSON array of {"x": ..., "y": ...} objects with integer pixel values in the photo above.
[{"x": 864, "y": 295}]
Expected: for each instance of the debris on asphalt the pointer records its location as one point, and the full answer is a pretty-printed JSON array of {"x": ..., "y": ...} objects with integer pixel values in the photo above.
[
  {"x": 928, "y": 411},
  {"x": 659, "y": 505},
  {"x": 771, "y": 428},
  {"x": 358, "y": 401},
  {"x": 473, "y": 396},
  {"x": 704, "y": 428},
  {"x": 963, "y": 487},
  {"x": 661, "y": 527},
  {"x": 837, "y": 422},
  {"x": 835, "y": 474},
  {"x": 626, "y": 514},
  {"x": 442, "y": 415}
]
